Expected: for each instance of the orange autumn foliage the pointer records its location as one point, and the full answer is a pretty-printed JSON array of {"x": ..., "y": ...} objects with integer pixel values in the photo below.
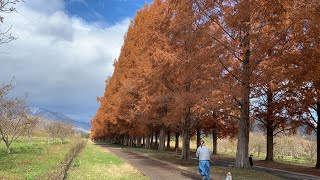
[{"x": 207, "y": 64}]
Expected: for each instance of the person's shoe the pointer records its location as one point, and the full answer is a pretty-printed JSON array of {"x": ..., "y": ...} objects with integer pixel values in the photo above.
[{"x": 203, "y": 178}]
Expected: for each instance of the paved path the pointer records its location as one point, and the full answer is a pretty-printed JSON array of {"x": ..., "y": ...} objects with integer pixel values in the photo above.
[
  {"x": 154, "y": 169},
  {"x": 276, "y": 172}
]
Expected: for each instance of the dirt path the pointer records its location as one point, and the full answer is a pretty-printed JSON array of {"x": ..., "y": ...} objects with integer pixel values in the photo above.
[{"x": 154, "y": 169}]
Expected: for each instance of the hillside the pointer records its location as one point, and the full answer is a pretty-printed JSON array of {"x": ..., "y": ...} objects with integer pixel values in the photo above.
[{"x": 55, "y": 116}]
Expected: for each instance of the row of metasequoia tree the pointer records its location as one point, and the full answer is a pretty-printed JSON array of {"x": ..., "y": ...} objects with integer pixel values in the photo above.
[{"x": 215, "y": 66}]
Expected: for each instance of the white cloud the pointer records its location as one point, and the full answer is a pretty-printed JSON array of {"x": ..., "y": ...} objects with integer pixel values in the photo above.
[{"x": 61, "y": 61}]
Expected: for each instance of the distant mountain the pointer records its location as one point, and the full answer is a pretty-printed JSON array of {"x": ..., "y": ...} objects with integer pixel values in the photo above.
[{"x": 55, "y": 116}]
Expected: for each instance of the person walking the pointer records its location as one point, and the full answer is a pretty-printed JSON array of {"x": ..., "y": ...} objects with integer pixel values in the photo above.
[{"x": 204, "y": 154}]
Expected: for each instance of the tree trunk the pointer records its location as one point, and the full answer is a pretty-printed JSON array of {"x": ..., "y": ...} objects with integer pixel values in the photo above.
[
  {"x": 168, "y": 139},
  {"x": 143, "y": 141},
  {"x": 242, "y": 154},
  {"x": 151, "y": 141},
  {"x": 156, "y": 142},
  {"x": 8, "y": 147},
  {"x": 148, "y": 143},
  {"x": 130, "y": 142},
  {"x": 125, "y": 141},
  {"x": 269, "y": 143},
  {"x": 214, "y": 142},
  {"x": 8, "y": 150},
  {"x": 198, "y": 137},
  {"x": 243, "y": 137},
  {"x": 176, "y": 146},
  {"x": 134, "y": 144},
  {"x": 162, "y": 139},
  {"x": 269, "y": 124},
  {"x": 185, "y": 155},
  {"x": 139, "y": 142},
  {"x": 318, "y": 136}
]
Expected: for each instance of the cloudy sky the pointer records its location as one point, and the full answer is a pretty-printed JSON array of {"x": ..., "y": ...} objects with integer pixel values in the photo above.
[{"x": 64, "y": 51}]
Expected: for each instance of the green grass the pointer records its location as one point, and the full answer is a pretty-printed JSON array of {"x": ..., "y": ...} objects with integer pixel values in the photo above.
[
  {"x": 29, "y": 159},
  {"x": 291, "y": 160},
  {"x": 287, "y": 159},
  {"x": 97, "y": 163}
]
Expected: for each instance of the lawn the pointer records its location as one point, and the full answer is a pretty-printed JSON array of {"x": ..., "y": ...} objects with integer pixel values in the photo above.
[
  {"x": 30, "y": 159},
  {"x": 97, "y": 163}
]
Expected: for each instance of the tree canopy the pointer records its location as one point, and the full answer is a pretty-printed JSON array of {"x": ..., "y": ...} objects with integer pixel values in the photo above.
[{"x": 218, "y": 66}]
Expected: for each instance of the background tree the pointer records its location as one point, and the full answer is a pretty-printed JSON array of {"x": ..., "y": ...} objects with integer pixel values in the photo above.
[
  {"x": 6, "y": 6},
  {"x": 302, "y": 66},
  {"x": 14, "y": 120},
  {"x": 59, "y": 130},
  {"x": 274, "y": 113}
]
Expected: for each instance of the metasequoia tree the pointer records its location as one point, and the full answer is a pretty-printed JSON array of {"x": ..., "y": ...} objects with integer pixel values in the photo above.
[
  {"x": 219, "y": 126},
  {"x": 248, "y": 33},
  {"x": 186, "y": 75},
  {"x": 302, "y": 66},
  {"x": 201, "y": 65},
  {"x": 274, "y": 105},
  {"x": 121, "y": 101},
  {"x": 301, "y": 82},
  {"x": 138, "y": 55},
  {"x": 151, "y": 59},
  {"x": 270, "y": 106},
  {"x": 274, "y": 113}
]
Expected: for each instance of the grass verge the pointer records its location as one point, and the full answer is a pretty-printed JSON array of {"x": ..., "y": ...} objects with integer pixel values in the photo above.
[
  {"x": 96, "y": 163},
  {"x": 30, "y": 159}
]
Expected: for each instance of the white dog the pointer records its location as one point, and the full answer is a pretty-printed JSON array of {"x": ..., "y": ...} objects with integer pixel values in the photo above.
[{"x": 229, "y": 177}]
